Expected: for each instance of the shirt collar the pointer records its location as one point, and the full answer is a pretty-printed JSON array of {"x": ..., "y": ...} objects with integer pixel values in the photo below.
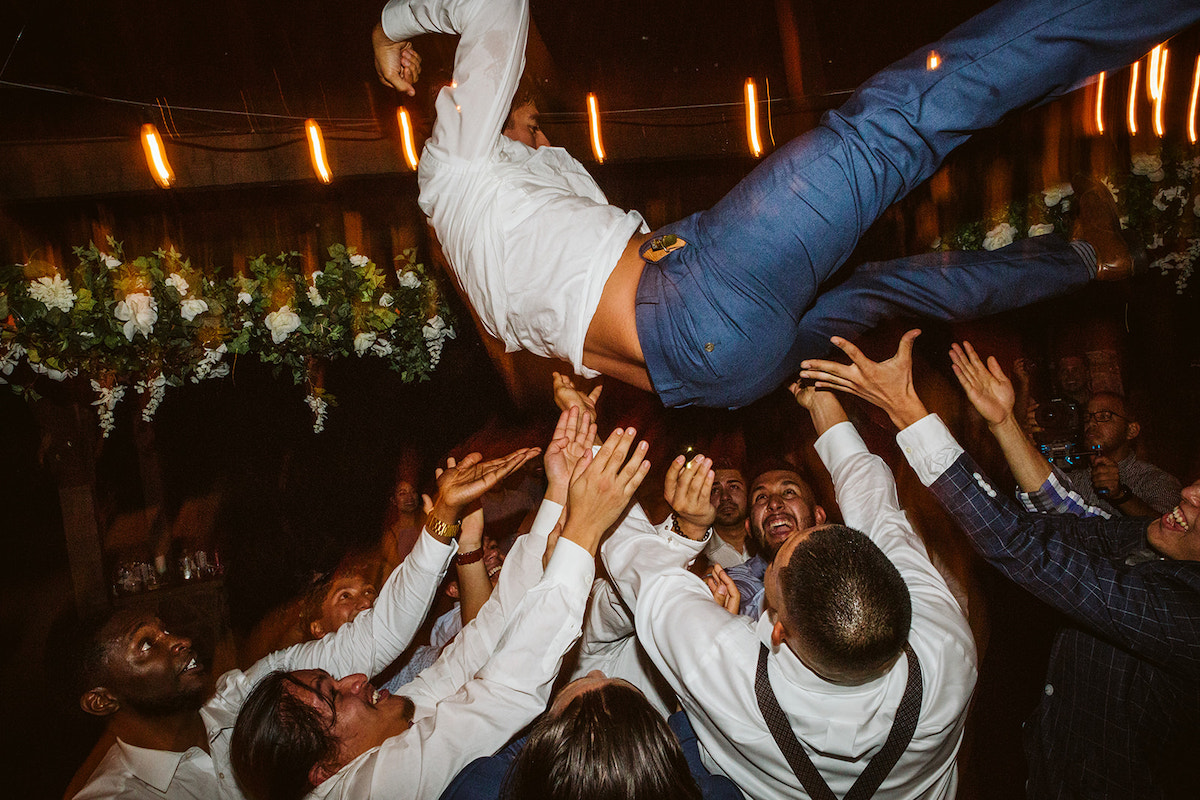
[{"x": 154, "y": 767}]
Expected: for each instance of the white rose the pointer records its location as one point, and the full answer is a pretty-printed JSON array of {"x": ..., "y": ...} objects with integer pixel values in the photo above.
[
  {"x": 54, "y": 292},
  {"x": 1040, "y": 230},
  {"x": 363, "y": 342},
  {"x": 1155, "y": 243},
  {"x": 382, "y": 347},
  {"x": 139, "y": 312},
  {"x": 281, "y": 323},
  {"x": 386, "y": 300},
  {"x": 1055, "y": 194},
  {"x": 190, "y": 309},
  {"x": 181, "y": 285},
  {"x": 315, "y": 275},
  {"x": 359, "y": 260},
  {"x": 1148, "y": 164},
  {"x": 1000, "y": 236},
  {"x": 244, "y": 298},
  {"x": 112, "y": 262},
  {"x": 409, "y": 279},
  {"x": 314, "y": 296}
]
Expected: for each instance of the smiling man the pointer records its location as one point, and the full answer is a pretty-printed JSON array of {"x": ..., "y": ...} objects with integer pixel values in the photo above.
[
  {"x": 1120, "y": 713},
  {"x": 781, "y": 503},
  {"x": 856, "y": 619}
]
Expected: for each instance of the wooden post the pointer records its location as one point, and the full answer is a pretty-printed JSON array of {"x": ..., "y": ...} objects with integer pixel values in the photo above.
[{"x": 69, "y": 428}]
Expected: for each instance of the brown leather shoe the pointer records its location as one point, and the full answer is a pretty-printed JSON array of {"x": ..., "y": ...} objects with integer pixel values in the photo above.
[{"x": 1118, "y": 254}]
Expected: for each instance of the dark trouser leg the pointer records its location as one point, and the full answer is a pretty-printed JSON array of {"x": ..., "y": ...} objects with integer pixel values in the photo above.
[{"x": 950, "y": 286}]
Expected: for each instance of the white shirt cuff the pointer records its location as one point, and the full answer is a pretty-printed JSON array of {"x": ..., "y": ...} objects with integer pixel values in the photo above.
[
  {"x": 547, "y": 517},
  {"x": 929, "y": 447},
  {"x": 571, "y": 565}
]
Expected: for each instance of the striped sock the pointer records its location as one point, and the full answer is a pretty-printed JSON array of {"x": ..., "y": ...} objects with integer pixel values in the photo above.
[{"x": 1087, "y": 253}]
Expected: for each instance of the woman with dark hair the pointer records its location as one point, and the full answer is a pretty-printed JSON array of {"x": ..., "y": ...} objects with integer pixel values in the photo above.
[
  {"x": 605, "y": 743},
  {"x": 601, "y": 739}
]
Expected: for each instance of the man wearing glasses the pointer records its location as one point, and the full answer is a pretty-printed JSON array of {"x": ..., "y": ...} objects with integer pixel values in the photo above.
[{"x": 1117, "y": 480}]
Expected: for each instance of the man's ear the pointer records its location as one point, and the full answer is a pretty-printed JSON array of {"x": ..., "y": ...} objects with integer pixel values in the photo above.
[
  {"x": 819, "y": 515},
  {"x": 1132, "y": 430},
  {"x": 778, "y": 633},
  {"x": 99, "y": 702},
  {"x": 316, "y": 629},
  {"x": 319, "y": 774}
]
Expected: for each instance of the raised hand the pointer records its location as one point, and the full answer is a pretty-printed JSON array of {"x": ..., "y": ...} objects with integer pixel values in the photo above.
[
  {"x": 688, "y": 490},
  {"x": 602, "y": 486},
  {"x": 566, "y": 395},
  {"x": 573, "y": 437},
  {"x": 396, "y": 63},
  {"x": 988, "y": 388},
  {"x": 462, "y": 483},
  {"x": 724, "y": 591},
  {"x": 887, "y": 384}
]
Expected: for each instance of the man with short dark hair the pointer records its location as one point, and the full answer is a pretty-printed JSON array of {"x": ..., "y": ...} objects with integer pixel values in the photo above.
[
  {"x": 172, "y": 740},
  {"x": 729, "y": 547},
  {"x": 1120, "y": 714},
  {"x": 1115, "y": 479},
  {"x": 855, "y": 618},
  {"x": 781, "y": 503}
]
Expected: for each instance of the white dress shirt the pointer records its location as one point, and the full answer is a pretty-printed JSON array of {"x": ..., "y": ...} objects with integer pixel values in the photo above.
[
  {"x": 368, "y": 644},
  {"x": 722, "y": 552},
  {"x": 528, "y": 233},
  {"x": 494, "y": 679},
  {"x": 710, "y": 656}
]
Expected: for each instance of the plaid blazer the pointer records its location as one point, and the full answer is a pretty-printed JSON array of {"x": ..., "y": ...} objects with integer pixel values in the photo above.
[{"x": 1120, "y": 712}]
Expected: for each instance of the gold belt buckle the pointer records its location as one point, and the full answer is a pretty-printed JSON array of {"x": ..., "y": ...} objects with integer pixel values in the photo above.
[{"x": 660, "y": 246}]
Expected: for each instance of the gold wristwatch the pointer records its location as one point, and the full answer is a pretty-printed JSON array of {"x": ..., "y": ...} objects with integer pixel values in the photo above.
[{"x": 442, "y": 531}]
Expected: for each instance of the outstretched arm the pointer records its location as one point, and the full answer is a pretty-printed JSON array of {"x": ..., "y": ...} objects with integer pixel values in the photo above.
[
  {"x": 990, "y": 391},
  {"x": 377, "y": 636},
  {"x": 992, "y": 394},
  {"x": 487, "y": 66},
  {"x": 887, "y": 384},
  {"x": 474, "y": 585}
]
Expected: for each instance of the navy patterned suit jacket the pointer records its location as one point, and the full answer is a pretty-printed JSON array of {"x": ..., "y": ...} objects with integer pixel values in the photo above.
[{"x": 1120, "y": 716}]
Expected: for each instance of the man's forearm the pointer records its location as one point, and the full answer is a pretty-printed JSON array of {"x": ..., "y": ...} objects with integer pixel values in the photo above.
[
  {"x": 826, "y": 411},
  {"x": 1028, "y": 466}
]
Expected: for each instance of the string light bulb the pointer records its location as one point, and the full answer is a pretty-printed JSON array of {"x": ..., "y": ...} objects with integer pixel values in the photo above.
[
  {"x": 316, "y": 149},
  {"x": 933, "y": 61},
  {"x": 156, "y": 156},
  {"x": 1157, "y": 79},
  {"x": 406, "y": 138},
  {"x": 1133, "y": 84},
  {"x": 594, "y": 125},
  {"x": 752, "y": 137},
  {"x": 1100, "y": 104},
  {"x": 1192, "y": 104}
]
